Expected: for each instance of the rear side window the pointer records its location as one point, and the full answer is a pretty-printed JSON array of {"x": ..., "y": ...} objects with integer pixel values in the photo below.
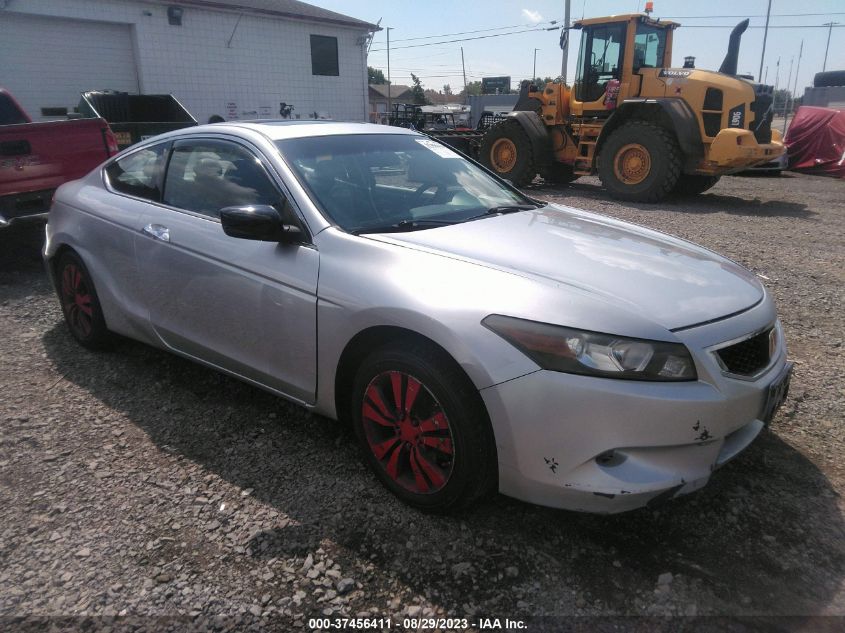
[
  {"x": 139, "y": 173},
  {"x": 649, "y": 47},
  {"x": 9, "y": 113}
]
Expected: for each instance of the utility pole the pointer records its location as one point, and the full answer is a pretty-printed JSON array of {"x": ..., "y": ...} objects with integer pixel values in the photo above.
[
  {"x": 765, "y": 75},
  {"x": 829, "y": 26},
  {"x": 788, "y": 81},
  {"x": 794, "y": 87},
  {"x": 565, "y": 40},
  {"x": 464, "y": 69},
  {"x": 389, "y": 97},
  {"x": 534, "y": 72},
  {"x": 765, "y": 35}
]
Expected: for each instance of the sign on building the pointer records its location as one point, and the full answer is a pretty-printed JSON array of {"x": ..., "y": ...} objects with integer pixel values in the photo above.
[{"x": 495, "y": 85}]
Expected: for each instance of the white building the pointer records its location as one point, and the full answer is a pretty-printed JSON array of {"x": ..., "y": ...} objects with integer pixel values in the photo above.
[{"x": 231, "y": 58}]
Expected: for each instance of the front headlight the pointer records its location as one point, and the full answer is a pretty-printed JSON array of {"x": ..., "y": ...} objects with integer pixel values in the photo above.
[{"x": 594, "y": 354}]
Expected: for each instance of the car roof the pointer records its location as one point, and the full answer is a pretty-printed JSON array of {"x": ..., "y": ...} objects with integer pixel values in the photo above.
[{"x": 285, "y": 129}]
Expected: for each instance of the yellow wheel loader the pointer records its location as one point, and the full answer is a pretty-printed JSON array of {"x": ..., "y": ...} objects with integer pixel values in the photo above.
[{"x": 645, "y": 128}]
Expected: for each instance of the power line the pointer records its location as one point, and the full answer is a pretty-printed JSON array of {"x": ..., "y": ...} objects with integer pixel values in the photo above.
[
  {"x": 498, "y": 28},
  {"x": 555, "y": 28},
  {"x": 781, "y": 26},
  {"x": 466, "y": 39},
  {"x": 774, "y": 15}
]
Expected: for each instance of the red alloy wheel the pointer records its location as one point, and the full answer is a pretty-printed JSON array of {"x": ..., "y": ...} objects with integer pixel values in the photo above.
[
  {"x": 76, "y": 300},
  {"x": 408, "y": 432}
]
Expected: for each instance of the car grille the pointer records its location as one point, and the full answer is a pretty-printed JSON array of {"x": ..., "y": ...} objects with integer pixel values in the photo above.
[
  {"x": 747, "y": 357},
  {"x": 763, "y": 113}
]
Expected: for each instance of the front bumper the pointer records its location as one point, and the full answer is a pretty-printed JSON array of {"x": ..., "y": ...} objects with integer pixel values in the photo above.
[
  {"x": 34, "y": 205},
  {"x": 603, "y": 445},
  {"x": 735, "y": 149}
]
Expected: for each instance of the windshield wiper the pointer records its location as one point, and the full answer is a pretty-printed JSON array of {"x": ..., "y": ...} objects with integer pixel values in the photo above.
[
  {"x": 502, "y": 210},
  {"x": 404, "y": 225},
  {"x": 422, "y": 223}
]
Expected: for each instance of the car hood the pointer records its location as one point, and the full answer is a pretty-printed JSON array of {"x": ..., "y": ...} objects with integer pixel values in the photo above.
[{"x": 667, "y": 280}]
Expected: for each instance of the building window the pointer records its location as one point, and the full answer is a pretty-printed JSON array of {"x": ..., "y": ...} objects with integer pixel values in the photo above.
[{"x": 324, "y": 55}]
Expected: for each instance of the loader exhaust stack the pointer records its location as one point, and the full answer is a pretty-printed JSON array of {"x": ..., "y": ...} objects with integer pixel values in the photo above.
[{"x": 729, "y": 64}]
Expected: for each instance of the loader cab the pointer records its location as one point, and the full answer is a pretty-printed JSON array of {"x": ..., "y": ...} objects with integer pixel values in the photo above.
[{"x": 615, "y": 50}]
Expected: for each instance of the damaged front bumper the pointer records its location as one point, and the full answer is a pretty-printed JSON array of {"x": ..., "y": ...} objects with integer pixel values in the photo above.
[{"x": 606, "y": 446}]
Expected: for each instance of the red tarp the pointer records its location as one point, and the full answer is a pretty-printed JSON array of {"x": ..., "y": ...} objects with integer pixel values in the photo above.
[{"x": 816, "y": 141}]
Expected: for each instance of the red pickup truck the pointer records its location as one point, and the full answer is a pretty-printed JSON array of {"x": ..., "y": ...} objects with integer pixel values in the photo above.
[{"x": 35, "y": 158}]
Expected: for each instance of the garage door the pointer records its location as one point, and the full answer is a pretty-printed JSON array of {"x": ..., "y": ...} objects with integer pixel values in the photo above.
[{"x": 48, "y": 62}]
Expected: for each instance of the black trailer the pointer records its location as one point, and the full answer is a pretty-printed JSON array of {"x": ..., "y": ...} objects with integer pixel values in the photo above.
[
  {"x": 439, "y": 124},
  {"x": 134, "y": 118}
]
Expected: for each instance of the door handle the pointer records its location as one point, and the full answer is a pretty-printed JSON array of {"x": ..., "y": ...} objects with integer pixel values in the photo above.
[{"x": 157, "y": 232}]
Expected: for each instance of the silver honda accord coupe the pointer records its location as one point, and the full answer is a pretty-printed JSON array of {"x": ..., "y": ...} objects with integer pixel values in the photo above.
[{"x": 476, "y": 339}]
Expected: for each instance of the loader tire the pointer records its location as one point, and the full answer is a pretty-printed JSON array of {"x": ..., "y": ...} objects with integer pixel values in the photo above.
[
  {"x": 506, "y": 151},
  {"x": 692, "y": 185},
  {"x": 640, "y": 162}
]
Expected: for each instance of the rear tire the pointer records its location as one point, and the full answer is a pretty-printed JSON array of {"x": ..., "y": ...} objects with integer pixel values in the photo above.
[
  {"x": 692, "y": 185},
  {"x": 640, "y": 162},
  {"x": 506, "y": 151},
  {"x": 423, "y": 428},
  {"x": 80, "y": 304}
]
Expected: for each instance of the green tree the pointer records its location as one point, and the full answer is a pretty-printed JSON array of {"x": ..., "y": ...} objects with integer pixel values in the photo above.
[
  {"x": 417, "y": 91},
  {"x": 375, "y": 76},
  {"x": 473, "y": 88},
  {"x": 447, "y": 89}
]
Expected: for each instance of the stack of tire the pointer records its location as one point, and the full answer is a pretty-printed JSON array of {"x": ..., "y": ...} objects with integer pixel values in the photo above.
[{"x": 829, "y": 78}]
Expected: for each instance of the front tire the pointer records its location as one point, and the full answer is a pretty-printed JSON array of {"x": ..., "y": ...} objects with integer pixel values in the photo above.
[
  {"x": 506, "y": 151},
  {"x": 692, "y": 185},
  {"x": 80, "y": 304},
  {"x": 640, "y": 162},
  {"x": 423, "y": 428}
]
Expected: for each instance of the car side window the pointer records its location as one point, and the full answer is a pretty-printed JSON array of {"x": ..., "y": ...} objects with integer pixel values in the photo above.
[
  {"x": 205, "y": 176},
  {"x": 139, "y": 173}
]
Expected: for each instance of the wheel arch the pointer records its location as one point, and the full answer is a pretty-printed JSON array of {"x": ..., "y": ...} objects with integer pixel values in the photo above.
[
  {"x": 673, "y": 114},
  {"x": 370, "y": 338},
  {"x": 52, "y": 261},
  {"x": 538, "y": 136}
]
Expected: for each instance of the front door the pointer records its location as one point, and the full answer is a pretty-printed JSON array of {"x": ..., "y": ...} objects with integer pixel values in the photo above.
[
  {"x": 599, "y": 60},
  {"x": 245, "y": 306}
]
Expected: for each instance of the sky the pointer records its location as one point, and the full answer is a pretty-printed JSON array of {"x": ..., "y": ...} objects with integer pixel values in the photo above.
[{"x": 440, "y": 63}]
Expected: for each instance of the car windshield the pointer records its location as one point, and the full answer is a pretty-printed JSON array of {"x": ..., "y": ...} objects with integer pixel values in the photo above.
[{"x": 389, "y": 182}]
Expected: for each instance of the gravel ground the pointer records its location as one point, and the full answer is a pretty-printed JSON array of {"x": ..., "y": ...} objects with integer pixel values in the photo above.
[{"x": 136, "y": 485}]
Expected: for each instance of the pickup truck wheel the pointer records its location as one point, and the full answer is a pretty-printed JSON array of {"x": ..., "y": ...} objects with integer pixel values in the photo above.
[
  {"x": 423, "y": 428},
  {"x": 506, "y": 150},
  {"x": 640, "y": 162},
  {"x": 80, "y": 305},
  {"x": 692, "y": 184}
]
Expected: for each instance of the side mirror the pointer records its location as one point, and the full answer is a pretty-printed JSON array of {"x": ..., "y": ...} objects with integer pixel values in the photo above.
[{"x": 258, "y": 222}]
